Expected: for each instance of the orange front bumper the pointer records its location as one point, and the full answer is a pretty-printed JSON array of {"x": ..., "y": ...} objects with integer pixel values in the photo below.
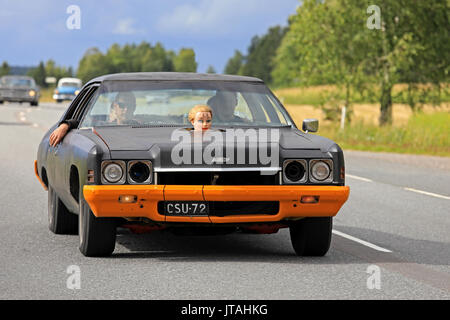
[{"x": 104, "y": 201}]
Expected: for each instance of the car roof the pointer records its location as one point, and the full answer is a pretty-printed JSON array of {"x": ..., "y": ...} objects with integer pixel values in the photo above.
[
  {"x": 69, "y": 80},
  {"x": 174, "y": 76}
]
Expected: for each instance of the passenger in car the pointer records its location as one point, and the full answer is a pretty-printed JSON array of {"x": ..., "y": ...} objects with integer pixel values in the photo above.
[
  {"x": 121, "y": 112},
  {"x": 224, "y": 104},
  {"x": 201, "y": 117}
]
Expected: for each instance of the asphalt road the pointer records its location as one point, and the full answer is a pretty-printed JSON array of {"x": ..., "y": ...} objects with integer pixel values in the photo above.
[{"x": 388, "y": 224}]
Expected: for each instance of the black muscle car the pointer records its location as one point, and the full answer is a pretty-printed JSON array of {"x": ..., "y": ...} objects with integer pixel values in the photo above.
[
  {"x": 127, "y": 163},
  {"x": 19, "y": 89}
]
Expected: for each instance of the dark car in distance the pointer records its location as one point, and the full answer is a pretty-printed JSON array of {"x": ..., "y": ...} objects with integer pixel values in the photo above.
[
  {"x": 253, "y": 171},
  {"x": 19, "y": 89}
]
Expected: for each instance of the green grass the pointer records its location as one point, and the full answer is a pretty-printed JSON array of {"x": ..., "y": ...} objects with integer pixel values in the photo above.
[
  {"x": 424, "y": 134},
  {"x": 47, "y": 94},
  {"x": 313, "y": 99},
  {"x": 319, "y": 95}
]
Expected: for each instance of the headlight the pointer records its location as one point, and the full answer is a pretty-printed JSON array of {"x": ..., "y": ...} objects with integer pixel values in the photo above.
[
  {"x": 31, "y": 93},
  {"x": 56, "y": 91},
  {"x": 77, "y": 92},
  {"x": 113, "y": 172},
  {"x": 140, "y": 172},
  {"x": 294, "y": 171},
  {"x": 321, "y": 170}
]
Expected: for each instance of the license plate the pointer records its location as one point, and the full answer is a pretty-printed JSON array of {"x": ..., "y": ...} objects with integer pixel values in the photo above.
[{"x": 186, "y": 208}]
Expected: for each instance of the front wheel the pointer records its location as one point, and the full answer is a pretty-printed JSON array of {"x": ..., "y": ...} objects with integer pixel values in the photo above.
[
  {"x": 97, "y": 235},
  {"x": 311, "y": 236},
  {"x": 60, "y": 219}
]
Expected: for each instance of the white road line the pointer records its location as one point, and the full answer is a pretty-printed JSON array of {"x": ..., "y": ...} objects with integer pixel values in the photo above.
[
  {"x": 358, "y": 178},
  {"x": 22, "y": 116},
  {"x": 365, "y": 243},
  {"x": 428, "y": 193},
  {"x": 409, "y": 189}
]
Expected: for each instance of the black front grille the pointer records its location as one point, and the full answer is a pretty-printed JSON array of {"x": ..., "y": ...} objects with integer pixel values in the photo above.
[
  {"x": 218, "y": 178},
  {"x": 15, "y": 93},
  {"x": 229, "y": 208}
]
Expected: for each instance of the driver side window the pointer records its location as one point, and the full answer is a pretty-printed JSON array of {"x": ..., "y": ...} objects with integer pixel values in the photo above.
[{"x": 78, "y": 106}]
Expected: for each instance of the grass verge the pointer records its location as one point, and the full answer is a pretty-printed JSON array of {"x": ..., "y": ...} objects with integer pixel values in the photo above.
[
  {"x": 423, "y": 134},
  {"x": 47, "y": 95}
]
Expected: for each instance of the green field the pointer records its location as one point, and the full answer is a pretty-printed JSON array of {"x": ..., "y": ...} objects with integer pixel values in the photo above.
[
  {"x": 423, "y": 134},
  {"x": 423, "y": 131},
  {"x": 46, "y": 95},
  {"x": 320, "y": 95}
]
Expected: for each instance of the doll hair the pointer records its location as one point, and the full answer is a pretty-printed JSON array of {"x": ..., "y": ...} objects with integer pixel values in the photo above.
[{"x": 198, "y": 108}]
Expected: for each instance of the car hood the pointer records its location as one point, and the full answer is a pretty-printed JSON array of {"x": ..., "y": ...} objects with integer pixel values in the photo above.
[{"x": 159, "y": 142}]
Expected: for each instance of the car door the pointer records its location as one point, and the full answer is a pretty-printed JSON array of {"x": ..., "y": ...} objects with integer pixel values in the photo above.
[
  {"x": 52, "y": 152},
  {"x": 64, "y": 150}
]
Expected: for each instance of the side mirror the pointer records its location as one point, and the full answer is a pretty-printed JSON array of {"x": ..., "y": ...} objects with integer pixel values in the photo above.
[{"x": 310, "y": 125}]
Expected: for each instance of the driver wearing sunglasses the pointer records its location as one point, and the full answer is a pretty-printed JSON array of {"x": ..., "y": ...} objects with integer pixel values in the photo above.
[
  {"x": 121, "y": 112},
  {"x": 122, "y": 108}
]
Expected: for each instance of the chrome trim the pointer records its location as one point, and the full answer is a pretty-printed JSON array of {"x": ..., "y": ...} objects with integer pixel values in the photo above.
[
  {"x": 305, "y": 166},
  {"x": 146, "y": 162},
  {"x": 121, "y": 163},
  {"x": 329, "y": 162},
  {"x": 265, "y": 169}
]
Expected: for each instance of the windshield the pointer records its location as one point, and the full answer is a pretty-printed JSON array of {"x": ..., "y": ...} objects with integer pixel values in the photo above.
[
  {"x": 70, "y": 84},
  {"x": 17, "y": 82},
  {"x": 156, "y": 103}
]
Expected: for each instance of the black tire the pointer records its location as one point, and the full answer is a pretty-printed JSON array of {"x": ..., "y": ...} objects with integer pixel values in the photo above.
[
  {"x": 311, "y": 236},
  {"x": 97, "y": 235},
  {"x": 1, "y": 101},
  {"x": 60, "y": 220},
  {"x": 58, "y": 101},
  {"x": 34, "y": 103}
]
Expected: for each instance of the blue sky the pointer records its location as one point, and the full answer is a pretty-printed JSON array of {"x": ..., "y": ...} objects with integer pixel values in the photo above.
[{"x": 31, "y": 31}]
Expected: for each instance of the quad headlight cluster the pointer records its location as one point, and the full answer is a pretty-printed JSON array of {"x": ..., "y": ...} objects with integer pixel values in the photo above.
[
  {"x": 297, "y": 171},
  {"x": 133, "y": 172}
]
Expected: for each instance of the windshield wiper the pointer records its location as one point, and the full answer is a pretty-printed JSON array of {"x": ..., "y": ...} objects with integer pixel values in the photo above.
[{"x": 156, "y": 125}]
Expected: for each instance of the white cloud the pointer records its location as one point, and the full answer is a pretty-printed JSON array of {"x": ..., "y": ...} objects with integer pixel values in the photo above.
[
  {"x": 125, "y": 27},
  {"x": 212, "y": 16}
]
